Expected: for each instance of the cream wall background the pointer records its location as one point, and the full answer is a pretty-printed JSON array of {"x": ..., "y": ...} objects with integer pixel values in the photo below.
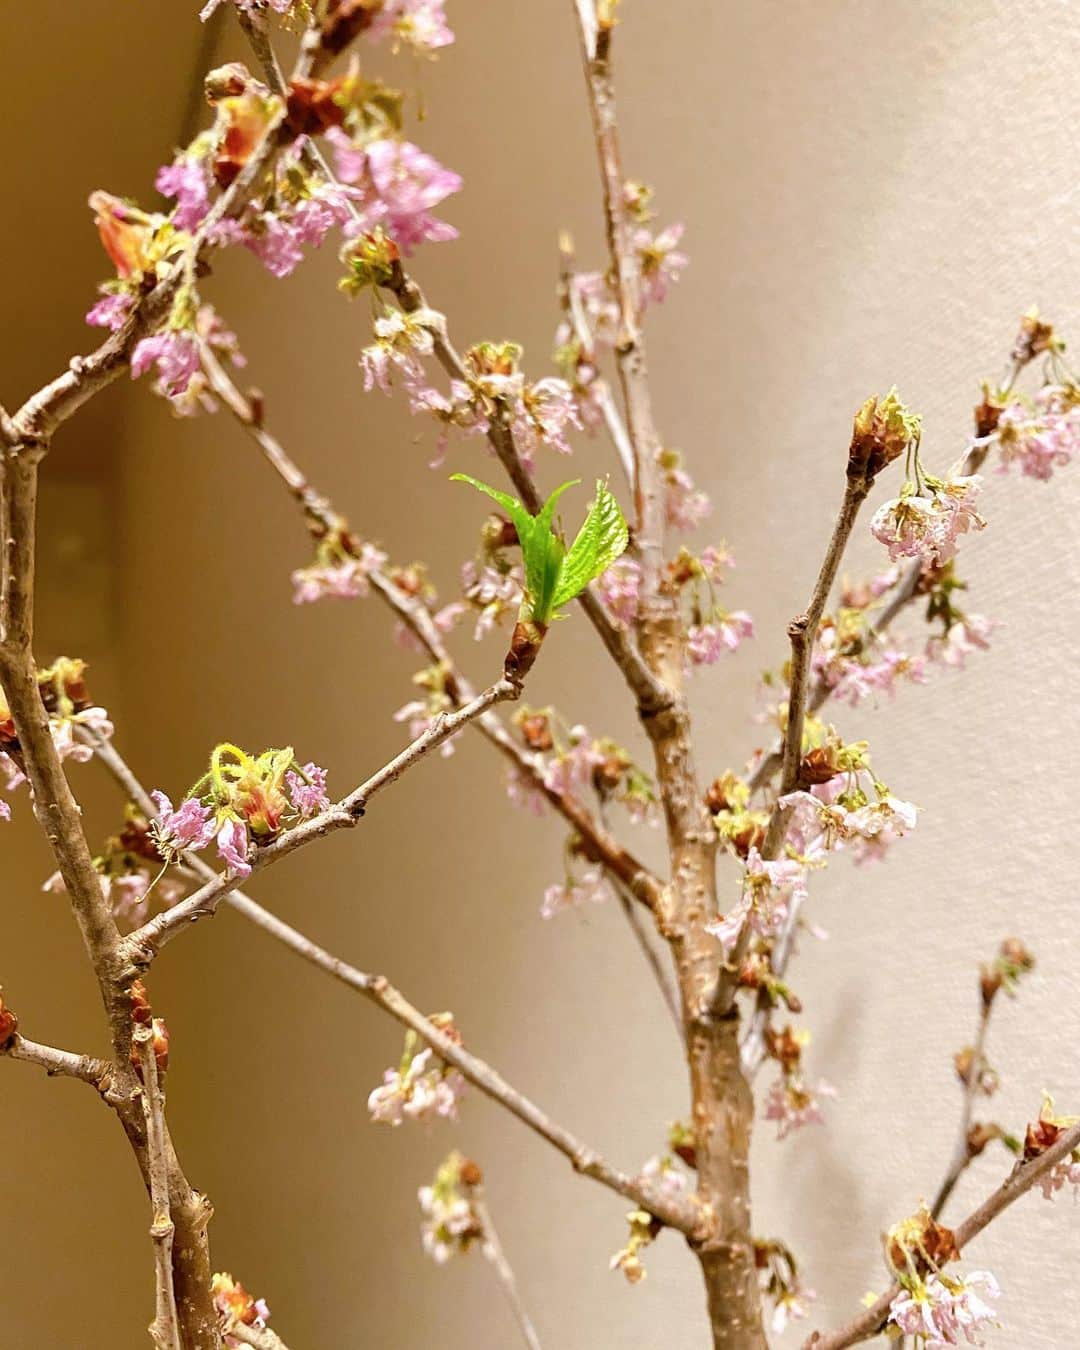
[{"x": 873, "y": 191}]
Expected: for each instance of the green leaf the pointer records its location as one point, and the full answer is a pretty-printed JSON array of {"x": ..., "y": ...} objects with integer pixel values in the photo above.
[
  {"x": 553, "y": 576},
  {"x": 601, "y": 540}
]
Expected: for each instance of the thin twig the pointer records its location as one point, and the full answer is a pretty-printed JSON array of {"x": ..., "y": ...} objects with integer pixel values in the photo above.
[
  {"x": 677, "y": 1214},
  {"x": 165, "y": 1329},
  {"x": 962, "y": 1156},
  {"x": 650, "y": 693},
  {"x": 493, "y": 1251},
  {"x": 262, "y": 1338},
  {"x": 1023, "y": 1176},
  {"x": 60, "y": 1063},
  {"x": 144, "y": 943},
  {"x": 414, "y": 614},
  {"x": 663, "y": 981}
]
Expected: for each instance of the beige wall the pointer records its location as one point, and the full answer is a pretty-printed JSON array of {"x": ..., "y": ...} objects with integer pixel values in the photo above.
[{"x": 873, "y": 192}]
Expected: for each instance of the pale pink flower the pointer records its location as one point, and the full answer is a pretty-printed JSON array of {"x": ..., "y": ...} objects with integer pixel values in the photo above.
[
  {"x": 552, "y": 409},
  {"x": 791, "y": 1306},
  {"x": 189, "y": 826},
  {"x": 232, "y": 847},
  {"x": 308, "y": 793},
  {"x": 945, "y": 1311},
  {"x": 410, "y": 183},
  {"x": 619, "y": 588},
  {"x": 706, "y": 643},
  {"x": 571, "y": 770},
  {"x": 275, "y": 243},
  {"x": 186, "y": 180},
  {"x": 523, "y": 792},
  {"x": 685, "y": 506},
  {"x": 420, "y": 24},
  {"x": 495, "y": 593},
  {"x": 666, "y": 1174},
  {"x": 791, "y": 1104},
  {"x": 1065, "y": 1173},
  {"x": 175, "y": 352},
  {"x": 427, "y": 1089},
  {"x": 421, "y": 716},
  {"x": 13, "y": 775},
  {"x": 590, "y": 887},
  {"x": 342, "y": 580},
  {"x": 661, "y": 261},
  {"x": 970, "y": 634},
  {"x": 928, "y": 526},
  {"x": 449, "y": 1222},
  {"x": 727, "y": 928},
  {"x": 1039, "y": 441},
  {"x": 111, "y": 310}
]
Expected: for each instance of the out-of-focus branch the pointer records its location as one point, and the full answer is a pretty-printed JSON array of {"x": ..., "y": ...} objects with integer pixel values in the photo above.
[
  {"x": 493, "y": 1251},
  {"x": 262, "y": 1338},
  {"x": 1023, "y": 1176},
  {"x": 962, "y": 1155}
]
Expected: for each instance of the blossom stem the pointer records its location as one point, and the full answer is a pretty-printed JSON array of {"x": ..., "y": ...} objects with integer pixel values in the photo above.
[
  {"x": 1019, "y": 1181},
  {"x": 493, "y": 1250},
  {"x": 262, "y": 1338}
]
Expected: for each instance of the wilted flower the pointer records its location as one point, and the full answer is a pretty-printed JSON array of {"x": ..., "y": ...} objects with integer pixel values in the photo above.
[
  {"x": 944, "y": 1310},
  {"x": 422, "y": 1087},
  {"x": 791, "y": 1104},
  {"x": 175, "y": 352},
  {"x": 235, "y": 1306},
  {"x": 450, "y": 1222},
  {"x": 928, "y": 525},
  {"x": 190, "y": 826}
]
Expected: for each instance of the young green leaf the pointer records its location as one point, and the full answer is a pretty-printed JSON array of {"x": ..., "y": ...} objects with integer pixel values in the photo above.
[
  {"x": 553, "y": 576},
  {"x": 601, "y": 540}
]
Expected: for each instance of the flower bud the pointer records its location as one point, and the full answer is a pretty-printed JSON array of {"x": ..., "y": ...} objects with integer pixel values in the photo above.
[
  {"x": 1034, "y": 337},
  {"x": 884, "y": 430}
]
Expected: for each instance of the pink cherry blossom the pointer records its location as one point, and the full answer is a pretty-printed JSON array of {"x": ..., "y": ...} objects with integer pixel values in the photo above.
[
  {"x": 175, "y": 352},
  {"x": 970, "y": 634},
  {"x": 189, "y": 826},
  {"x": 619, "y": 588},
  {"x": 945, "y": 1311},
  {"x": 111, "y": 310},
  {"x": 495, "y": 593},
  {"x": 426, "y": 1089},
  {"x": 420, "y": 24},
  {"x": 685, "y": 506},
  {"x": 1039, "y": 440},
  {"x": 341, "y": 580},
  {"x": 661, "y": 262},
  {"x": 706, "y": 643},
  {"x": 590, "y": 887},
  {"x": 410, "y": 183},
  {"x": 186, "y": 180},
  {"x": 523, "y": 792},
  {"x": 791, "y": 1104},
  {"x": 232, "y": 847},
  {"x": 1065, "y": 1173},
  {"x": 308, "y": 793},
  {"x": 928, "y": 526}
]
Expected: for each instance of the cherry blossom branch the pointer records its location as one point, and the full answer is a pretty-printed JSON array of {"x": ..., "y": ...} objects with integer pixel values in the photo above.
[
  {"x": 1022, "y": 1178},
  {"x": 630, "y": 354},
  {"x": 59, "y": 1063},
  {"x": 650, "y": 693},
  {"x": 493, "y": 1251},
  {"x": 674, "y": 1212},
  {"x": 262, "y": 1338},
  {"x": 165, "y": 1330},
  {"x": 601, "y": 845},
  {"x": 144, "y": 943},
  {"x": 802, "y": 633},
  {"x": 962, "y": 1155}
]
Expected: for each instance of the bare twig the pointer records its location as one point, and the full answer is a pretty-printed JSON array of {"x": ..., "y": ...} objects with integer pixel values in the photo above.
[
  {"x": 262, "y": 1338},
  {"x": 62, "y": 1063},
  {"x": 165, "y": 1329},
  {"x": 962, "y": 1156},
  {"x": 663, "y": 981},
  {"x": 1020, "y": 1180},
  {"x": 141, "y": 946},
  {"x": 493, "y": 1251},
  {"x": 675, "y": 1213}
]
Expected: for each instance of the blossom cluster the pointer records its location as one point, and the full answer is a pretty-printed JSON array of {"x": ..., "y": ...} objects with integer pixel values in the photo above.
[
  {"x": 791, "y": 1102},
  {"x": 70, "y": 710},
  {"x": 236, "y": 1307},
  {"x": 242, "y": 802},
  {"x": 450, "y": 1223},
  {"x": 422, "y": 1087}
]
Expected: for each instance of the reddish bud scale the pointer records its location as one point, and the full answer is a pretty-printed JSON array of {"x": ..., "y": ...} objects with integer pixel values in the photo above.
[
  {"x": 525, "y": 643},
  {"x": 311, "y": 107},
  {"x": 1039, "y": 1137},
  {"x": 9, "y": 1024},
  {"x": 345, "y": 21}
]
